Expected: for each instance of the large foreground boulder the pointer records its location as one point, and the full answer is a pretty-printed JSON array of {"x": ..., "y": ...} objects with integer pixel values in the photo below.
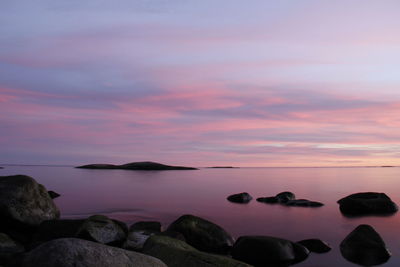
[
  {"x": 176, "y": 253},
  {"x": 367, "y": 203},
  {"x": 24, "y": 202},
  {"x": 143, "y": 166},
  {"x": 268, "y": 251},
  {"x": 73, "y": 252},
  {"x": 364, "y": 246},
  {"x": 243, "y": 198},
  {"x": 202, "y": 234}
]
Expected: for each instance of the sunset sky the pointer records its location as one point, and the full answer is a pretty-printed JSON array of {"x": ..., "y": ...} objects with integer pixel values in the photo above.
[{"x": 244, "y": 83}]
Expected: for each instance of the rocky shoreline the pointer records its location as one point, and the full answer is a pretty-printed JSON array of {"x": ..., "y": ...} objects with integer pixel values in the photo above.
[{"x": 32, "y": 234}]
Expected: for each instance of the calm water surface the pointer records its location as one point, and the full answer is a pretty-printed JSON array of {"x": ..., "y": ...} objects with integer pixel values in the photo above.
[{"x": 165, "y": 195}]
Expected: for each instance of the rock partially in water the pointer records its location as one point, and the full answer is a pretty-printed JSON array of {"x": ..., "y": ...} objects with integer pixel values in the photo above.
[
  {"x": 73, "y": 252},
  {"x": 8, "y": 248},
  {"x": 101, "y": 229},
  {"x": 364, "y": 246},
  {"x": 176, "y": 253},
  {"x": 243, "y": 198},
  {"x": 24, "y": 202},
  {"x": 53, "y": 194},
  {"x": 268, "y": 251},
  {"x": 286, "y": 196},
  {"x": 315, "y": 245},
  {"x": 304, "y": 203},
  {"x": 367, "y": 203},
  {"x": 269, "y": 200},
  {"x": 143, "y": 166},
  {"x": 202, "y": 234}
]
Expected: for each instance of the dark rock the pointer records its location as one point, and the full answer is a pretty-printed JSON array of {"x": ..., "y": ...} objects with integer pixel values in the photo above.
[
  {"x": 368, "y": 203},
  {"x": 268, "y": 251},
  {"x": 240, "y": 198},
  {"x": 54, "y": 229},
  {"x": 364, "y": 246},
  {"x": 144, "y": 166},
  {"x": 151, "y": 226},
  {"x": 173, "y": 234},
  {"x": 270, "y": 200},
  {"x": 53, "y": 194},
  {"x": 101, "y": 229},
  {"x": 8, "y": 248},
  {"x": 303, "y": 203},
  {"x": 176, "y": 253},
  {"x": 223, "y": 167},
  {"x": 315, "y": 245},
  {"x": 72, "y": 252},
  {"x": 284, "y": 197},
  {"x": 139, "y": 232},
  {"x": 24, "y": 203},
  {"x": 202, "y": 234}
]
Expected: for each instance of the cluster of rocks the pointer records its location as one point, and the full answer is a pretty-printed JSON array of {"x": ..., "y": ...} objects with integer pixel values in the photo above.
[
  {"x": 32, "y": 234},
  {"x": 284, "y": 198}
]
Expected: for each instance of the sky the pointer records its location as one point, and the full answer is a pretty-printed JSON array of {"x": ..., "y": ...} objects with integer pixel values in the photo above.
[{"x": 200, "y": 83}]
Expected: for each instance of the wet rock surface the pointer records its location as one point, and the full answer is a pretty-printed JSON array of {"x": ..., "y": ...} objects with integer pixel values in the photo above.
[
  {"x": 203, "y": 234},
  {"x": 243, "y": 198},
  {"x": 315, "y": 245},
  {"x": 367, "y": 203},
  {"x": 364, "y": 246}
]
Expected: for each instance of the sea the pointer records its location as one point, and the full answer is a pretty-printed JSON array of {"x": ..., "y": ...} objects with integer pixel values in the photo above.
[{"x": 132, "y": 196}]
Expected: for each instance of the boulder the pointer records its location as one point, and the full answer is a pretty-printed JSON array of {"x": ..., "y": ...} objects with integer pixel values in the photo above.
[
  {"x": 268, "y": 251},
  {"x": 243, "y": 198},
  {"x": 24, "y": 202},
  {"x": 315, "y": 245},
  {"x": 364, "y": 246},
  {"x": 101, "y": 229},
  {"x": 72, "y": 252},
  {"x": 139, "y": 232},
  {"x": 270, "y": 200},
  {"x": 303, "y": 203},
  {"x": 144, "y": 166},
  {"x": 8, "y": 248},
  {"x": 202, "y": 234},
  {"x": 284, "y": 197},
  {"x": 176, "y": 253},
  {"x": 53, "y": 194},
  {"x": 367, "y": 203}
]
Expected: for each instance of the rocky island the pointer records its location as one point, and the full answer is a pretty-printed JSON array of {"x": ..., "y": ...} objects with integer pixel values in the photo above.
[{"x": 142, "y": 166}]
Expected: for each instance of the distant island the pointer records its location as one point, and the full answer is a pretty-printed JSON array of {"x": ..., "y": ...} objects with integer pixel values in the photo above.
[
  {"x": 142, "y": 166},
  {"x": 223, "y": 167}
]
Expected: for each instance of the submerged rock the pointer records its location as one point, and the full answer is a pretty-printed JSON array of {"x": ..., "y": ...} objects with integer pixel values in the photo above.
[
  {"x": 202, "y": 234},
  {"x": 72, "y": 252},
  {"x": 144, "y": 166},
  {"x": 53, "y": 194},
  {"x": 367, "y": 203},
  {"x": 268, "y": 251},
  {"x": 315, "y": 245},
  {"x": 176, "y": 253},
  {"x": 364, "y": 246},
  {"x": 24, "y": 202},
  {"x": 240, "y": 198},
  {"x": 303, "y": 203}
]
